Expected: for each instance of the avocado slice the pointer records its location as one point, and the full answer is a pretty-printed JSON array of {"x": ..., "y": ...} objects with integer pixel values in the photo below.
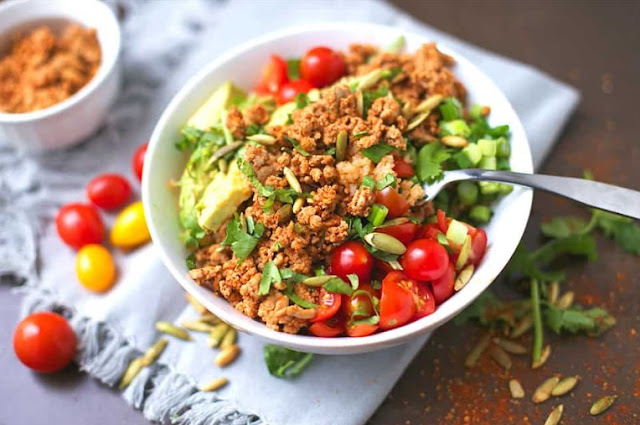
[
  {"x": 214, "y": 109},
  {"x": 281, "y": 115}
]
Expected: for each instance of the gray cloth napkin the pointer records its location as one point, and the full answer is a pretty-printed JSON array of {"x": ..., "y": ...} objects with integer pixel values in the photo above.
[{"x": 164, "y": 44}]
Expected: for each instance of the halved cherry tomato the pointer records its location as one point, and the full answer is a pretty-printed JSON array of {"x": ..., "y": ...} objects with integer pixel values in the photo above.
[
  {"x": 442, "y": 221},
  {"x": 478, "y": 246},
  {"x": 44, "y": 342},
  {"x": 79, "y": 225},
  {"x": 331, "y": 327},
  {"x": 402, "y": 168},
  {"x": 395, "y": 203},
  {"x": 425, "y": 260},
  {"x": 428, "y": 231},
  {"x": 352, "y": 258},
  {"x": 443, "y": 286},
  {"x": 360, "y": 329},
  {"x": 290, "y": 90},
  {"x": 109, "y": 191},
  {"x": 322, "y": 66},
  {"x": 397, "y": 306},
  {"x": 329, "y": 305},
  {"x": 424, "y": 301},
  {"x": 137, "y": 162},
  {"x": 272, "y": 76},
  {"x": 404, "y": 232},
  {"x": 359, "y": 305}
]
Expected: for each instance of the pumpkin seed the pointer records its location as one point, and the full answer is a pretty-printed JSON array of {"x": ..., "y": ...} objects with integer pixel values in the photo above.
[
  {"x": 476, "y": 351},
  {"x": 292, "y": 179},
  {"x": 318, "y": 280},
  {"x": 515, "y": 387},
  {"x": 428, "y": 104},
  {"x": 566, "y": 300},
  {"x": 407, "y": 110},
  {"x": 263, "y": 139},
  {"x": 454, "y": 141},
  {"x": 522, "y": 327},
  {"x": 370, "y": 80},
  {"x": 195, "y": 304},
  {"x": 394, "y": 222},
  {"x": 154, "y": 352},
  {"x": 132, "y": 371},
  {"x": 601, "y": 405},
  {"x": 510, "y": 346},
  {"x": 395, "y": 265},
  {"x": 196, "y": 325},
  {"x": 543, "y": 392},
  {"x": 227, "y": 355},
  {"x": 564, "y": 386},
  {"x": 229, "y": 339},
  {"x": 216, "y": 384},
  {"x": 298, "y": 204},
  {"x": 210, "y": 319},
  {"x": 173, "y": 330},
  {"x": 555, "y": 416},
  {"x": 216, "y": 335},
  {"x": 223, "y": 165},
  {"x": 500, "y": 356},
  {"x": 553, "y": 291},
  {"x": 360, "y": 103},
  {"x": 386, "y": 243},
  {"x": 224, "y": 151},
  {"x": 544, "y": 356},
  {"x": 341, "y": 146},
  {"x": 284, "y": 213},
  {"x": 416, "y": 121},
  {"x": 464, "y": 277}
]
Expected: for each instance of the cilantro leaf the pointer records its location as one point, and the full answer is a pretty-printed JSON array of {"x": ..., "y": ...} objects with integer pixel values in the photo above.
[
  {"x": 270, "y": 274},
  {"x": 298, "y": 300},
  {"x": 354, "y": 280},
  {"x": 247, "y": 170},
  {"x": 296, "y": 146},
  {"x": 338, "y": 286},
  {"x": 483, "y": 309},
  {"x": 562, "y": 227},
  {"x": 191, "y": 261},
  {"x": 376, "y": 152},
  {"x": 295, "y": 277},
  {"x": 241, "y": 242},
  {"x": 293, "y": 69},
  {"x": 583, "y": 245},
  {"x": 388, "y": 180},
  {"x": 285, "y": 363},
  {"x": 430, "y": 159},
  {"x": 593, "y": 322},
  {"x": 621, "y": 229},
  {"x": 302, "y": 100}
]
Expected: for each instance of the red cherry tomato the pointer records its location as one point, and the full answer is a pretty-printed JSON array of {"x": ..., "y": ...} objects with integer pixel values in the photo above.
[
  {"x": 397, "y": 305},
  {"x": 404, "y": 232},
  {"x": 442, "y": 221},
  {"x": 428, "y": 231},
  {"x": 44, "y": 342},
  {"x": 425, "y": 260},
  {"x": 290, "y": 90},
  {"x": 328, "y": 306},
  {"x": 352, "y": 258},
  {"x": 478, "y": 246},
  {"x": 109, "y": 191},
  {"x": 403, "y": 169},
  {"x": 272, "y": 76},
  {"x": 138, "y": 160},
  {"x": 359, "y": 305},
  {"x": 443, "y": 286},
  {"x": 79, "y": 225},
  {"x": 360, "y": 329},
  {"x": 424, "y": 301},
  {"x": 329, "y": 328},
  {"x": 395, "y": 203},
  {"x": 322, "y": 66}
]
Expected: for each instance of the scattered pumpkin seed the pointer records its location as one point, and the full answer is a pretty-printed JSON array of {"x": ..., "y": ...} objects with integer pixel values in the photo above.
[
  {"x": 511, "y": 347},
  {"x": 216, "y": 335},
  {"x": 476, "y": 351},
  {"x": 227, "y": 355},
  {"x": 223, "y": 151},
  {"x": 292, "y": 179},
  {"x": 454, "y": 141},
  {"x": 214, "y": 385},
  {"x": 210, "y": 319},
  {"x": 564, "y": 386},
  {"x": 407, "y": 110},
  {"x": 229, "y": 338},
  {"x": 544, "y": 356},
  {"x": 395, "y": 265},
  {"x": 394, "y": 222},
  {"x": 199, "y": 308},
  {"x": 522, "y": 327},
  {"x": 543, "y": 392},
  {"x": 428, "y": 104},
  {"x": 515, "y": 387},
  {"x": 555, "y": 416},
  {"x": 500, "y": 356},
  {"x": 566, "y": 300},
  {"x": 223, "y": 165},
  {"x": 263, "y": 139},
  {"x": 298, "y": 204},
  {"x": 464, "y": 277},
  {"x": 416, "y": 121},
  {"x": 370, "y": 80},
  {"x": 360, "y": 103},
  {"x": 342, "y": 144},
  {"x": 553, "y": 291},
  {"x": 173, "y": 330},
  {"x": 318, "y": 280},
  {"x": 601, "y": 405},
  {"x": 284, "y": 213},
  {"x": 154, "y": 352},
  {"x": 386, "y": 243},
  {"x": 196, "y": 325},
  {"x": 132, "y": 371}
]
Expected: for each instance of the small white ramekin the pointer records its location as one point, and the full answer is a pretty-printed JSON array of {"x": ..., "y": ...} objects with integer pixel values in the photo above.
[{"x": 74, "y": 119}]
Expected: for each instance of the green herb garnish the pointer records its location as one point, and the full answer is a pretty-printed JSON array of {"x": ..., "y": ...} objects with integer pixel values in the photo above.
[
  {"x": 270, "y": 274},
  {"x": 296, "y": 146},
  {"x": 388, "y": 180},
  {"x": 293, "y": 69},
  {"x": 376, "y": 152},
  {"x": 242, "y": 243},
  {"x": 430, "y": 160},
  {"x": 285, "y": 363}
]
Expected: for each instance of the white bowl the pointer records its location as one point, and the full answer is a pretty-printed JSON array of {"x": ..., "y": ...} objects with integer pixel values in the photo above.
[
  {"x": 241, "y": 65},
  {"x": 79, "y": 116}
]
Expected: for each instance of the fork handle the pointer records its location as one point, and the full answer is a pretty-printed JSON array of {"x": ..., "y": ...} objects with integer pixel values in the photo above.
[{"x": 604, "y": 196}]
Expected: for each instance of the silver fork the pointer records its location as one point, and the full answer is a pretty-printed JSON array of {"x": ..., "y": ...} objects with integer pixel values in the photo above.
[{"x": 594, "y": 194}]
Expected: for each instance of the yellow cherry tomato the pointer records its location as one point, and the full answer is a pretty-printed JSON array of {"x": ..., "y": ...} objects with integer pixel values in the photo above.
[
  {"x": 130, "y": 228},
  {"x": 95, "y": 268}
]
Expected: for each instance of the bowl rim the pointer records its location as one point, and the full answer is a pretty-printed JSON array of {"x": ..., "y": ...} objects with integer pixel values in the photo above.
[
  {"x": 110, "y": 22},
  {"x": 343, "y": 345}
]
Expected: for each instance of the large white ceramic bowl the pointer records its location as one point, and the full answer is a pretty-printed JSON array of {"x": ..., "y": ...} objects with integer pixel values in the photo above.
[
  {"x": 241, "y": 65},
  {"x": 77, "y": 117}
]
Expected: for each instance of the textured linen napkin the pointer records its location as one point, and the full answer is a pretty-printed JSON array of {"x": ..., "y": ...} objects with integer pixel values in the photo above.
[{"x": 164, "y": 44}]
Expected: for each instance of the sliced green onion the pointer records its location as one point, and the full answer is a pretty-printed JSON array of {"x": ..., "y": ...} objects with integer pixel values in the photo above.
[
  {"x": 505, "y": 188},
  {"x": 488, "y": 163},
  {"x": 378, "y": 214},
  {"x": 503, "y": 164},
  {"x": 457, "y": 232},
  {"x": 480, "y": 214},
  {"x": 476, "y": 111},
  {"x": 468, "y": 193},
  {"x": 503, "y": 148},
  {"x": 487, "y": 147},
  {"x": 450, "y": 109},
  {"x": 488, "y": 188},
  {"x": 455, "y": 128}
]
